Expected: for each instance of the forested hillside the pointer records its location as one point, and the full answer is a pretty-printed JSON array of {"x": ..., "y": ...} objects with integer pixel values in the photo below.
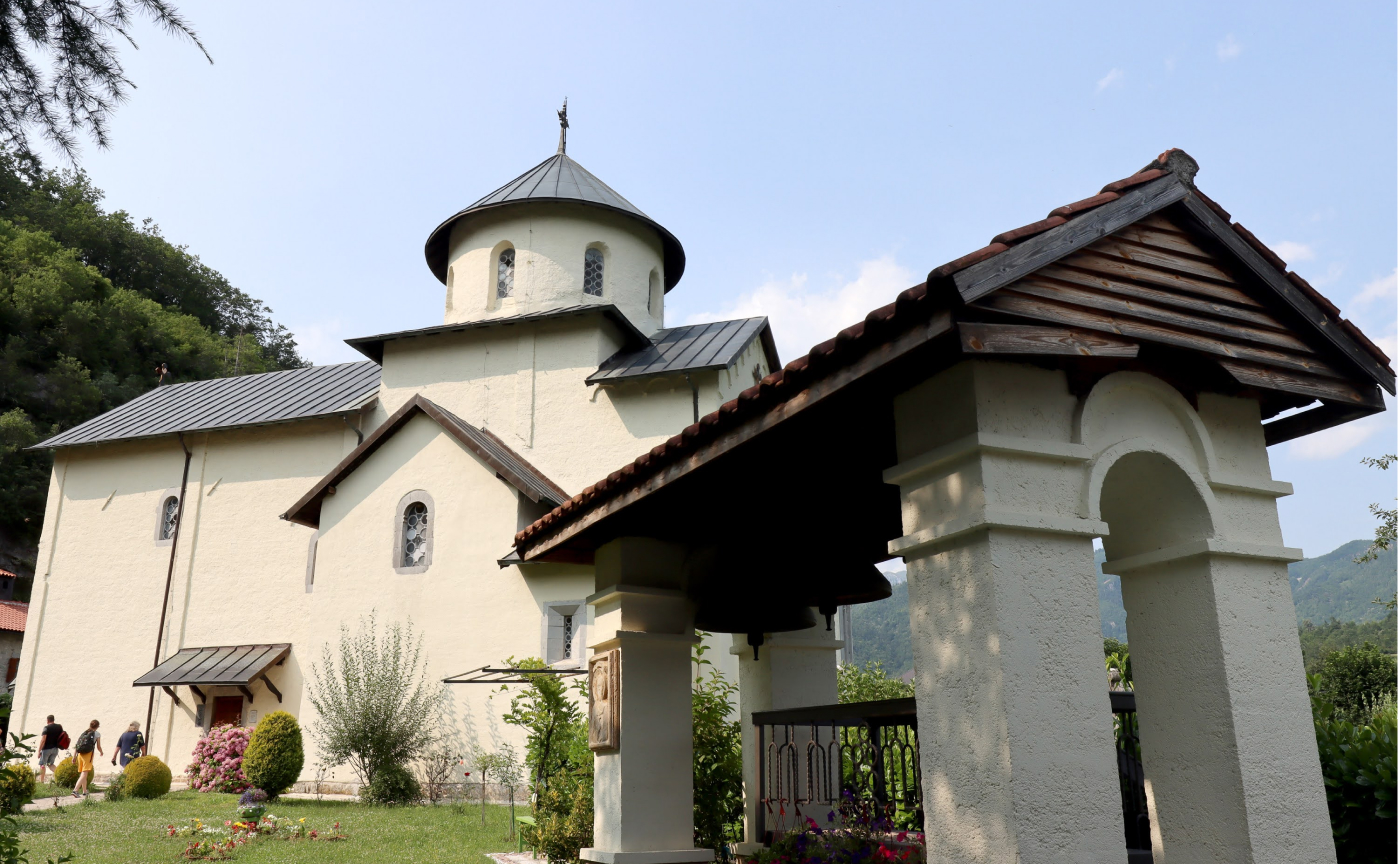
[
  {"x": 91, "y": 303},
  {"x": 1334, "y": 598}
]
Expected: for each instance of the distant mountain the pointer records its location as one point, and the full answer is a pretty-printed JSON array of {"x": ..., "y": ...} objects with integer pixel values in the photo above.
[
  {"x": 1333, "y": 586},
  {"x": 1330, "y": 586}
]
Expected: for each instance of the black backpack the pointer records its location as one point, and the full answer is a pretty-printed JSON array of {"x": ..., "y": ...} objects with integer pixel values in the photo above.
[{"x": 86, "y": 742}]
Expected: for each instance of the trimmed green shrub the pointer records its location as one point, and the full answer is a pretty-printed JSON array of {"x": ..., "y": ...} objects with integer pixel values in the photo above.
[
  {"x": 275, "y": 756},
  {"x": 16, "y": 788},
  {"x": 391, "y": 784},
  {"x": 146, "y": 777},
  {"x": 66, "y": 774},
  {"x": 1355, "y": 677}
]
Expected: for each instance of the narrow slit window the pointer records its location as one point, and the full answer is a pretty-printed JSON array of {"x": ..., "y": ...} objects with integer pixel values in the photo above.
[
  {"x": 592, "y": 273},
  {"x": 169, "y": 518},
  {"x": 505, "y": 274},
  {"x": 415, "y": 535},
  {"x": 567, "y": 637}
]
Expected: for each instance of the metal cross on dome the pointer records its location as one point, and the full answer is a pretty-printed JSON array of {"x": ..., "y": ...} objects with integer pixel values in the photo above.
[{"x": 563, "y": 127}]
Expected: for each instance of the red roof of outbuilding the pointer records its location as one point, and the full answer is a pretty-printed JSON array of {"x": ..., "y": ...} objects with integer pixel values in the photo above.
[
  {"x": 13, "y": 615},
  {"x": 881, "y": 323}
]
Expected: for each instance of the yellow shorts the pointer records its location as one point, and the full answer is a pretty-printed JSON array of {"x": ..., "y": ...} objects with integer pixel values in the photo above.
[{"x": 85, "y": 761}]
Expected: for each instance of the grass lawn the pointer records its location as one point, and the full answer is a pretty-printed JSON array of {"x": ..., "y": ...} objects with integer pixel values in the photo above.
[{"x": 133, "y": 832}]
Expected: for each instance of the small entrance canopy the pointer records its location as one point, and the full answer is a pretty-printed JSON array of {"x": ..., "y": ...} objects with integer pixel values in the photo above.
[{"x": 226, "y": 666}]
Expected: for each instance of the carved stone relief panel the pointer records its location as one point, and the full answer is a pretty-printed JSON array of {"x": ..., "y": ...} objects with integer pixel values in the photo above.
[{"x": 604, "y": 700}]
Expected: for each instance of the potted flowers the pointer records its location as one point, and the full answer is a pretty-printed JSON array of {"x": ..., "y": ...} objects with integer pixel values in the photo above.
[{"x": 252, "y": 805}]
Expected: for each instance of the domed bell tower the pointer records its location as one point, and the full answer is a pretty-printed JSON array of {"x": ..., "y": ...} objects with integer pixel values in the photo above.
[{"x": 554, "y": 237}]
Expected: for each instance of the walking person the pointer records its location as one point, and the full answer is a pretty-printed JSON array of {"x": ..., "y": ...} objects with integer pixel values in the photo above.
[
  {"x": 90, "y": 740},
  {"x": 49, "y": 744},
  {"x": 130, "y": 745}
]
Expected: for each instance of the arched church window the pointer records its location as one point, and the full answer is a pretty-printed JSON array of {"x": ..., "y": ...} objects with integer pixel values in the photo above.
[
  {"x": 505, "y": 274},
  {"x": 169, "y": 517},
  {"x": 592, "y": 273},
  {"x": 413, "y": 547}
]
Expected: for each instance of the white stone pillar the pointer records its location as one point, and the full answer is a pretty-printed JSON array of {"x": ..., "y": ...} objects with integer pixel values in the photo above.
[
  {"x": 792, "y": 670},
  {"x": 643, "y": 795},
  {"x": 1227, "y": 739},
  {"x": 1014, "y": 720}
]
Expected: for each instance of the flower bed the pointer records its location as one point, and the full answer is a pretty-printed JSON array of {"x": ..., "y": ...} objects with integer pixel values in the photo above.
[
  {"x": 213, "y": 842},
  {"x": 218, "y": 761},
  {"x": 861, "y": 835}
]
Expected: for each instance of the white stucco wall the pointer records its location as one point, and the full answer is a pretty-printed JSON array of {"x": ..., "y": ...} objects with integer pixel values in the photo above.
[{"x": 550, "y": 240}]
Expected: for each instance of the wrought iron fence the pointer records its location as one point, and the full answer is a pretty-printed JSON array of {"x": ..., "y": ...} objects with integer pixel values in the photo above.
[
  {"x": 809, "y": 758},
  {"x": 1135, "y": 815}
]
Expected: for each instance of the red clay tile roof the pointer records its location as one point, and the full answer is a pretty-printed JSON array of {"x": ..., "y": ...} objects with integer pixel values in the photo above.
[
  {"x": 13, "y": 615},
  {"x": 853, "y": 341}
]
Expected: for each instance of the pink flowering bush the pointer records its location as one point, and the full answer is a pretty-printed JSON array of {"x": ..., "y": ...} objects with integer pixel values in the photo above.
[{"x": 218, "y": 761}]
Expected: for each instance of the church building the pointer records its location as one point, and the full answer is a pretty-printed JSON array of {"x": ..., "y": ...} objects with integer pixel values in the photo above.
[{"x": 207, "y": 540}]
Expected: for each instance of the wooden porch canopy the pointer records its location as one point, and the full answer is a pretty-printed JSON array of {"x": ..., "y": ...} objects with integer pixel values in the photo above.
[
  {"x": 226, "y": 666},
  {"x": 1148, "y": 275}
]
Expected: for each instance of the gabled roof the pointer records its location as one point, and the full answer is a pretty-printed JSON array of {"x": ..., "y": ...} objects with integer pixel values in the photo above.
[
  {"x": 557, "y": 178},
  {"x": 372, "y": 346},
  {"x": 226, "y": 403},
  {"x": 933, "y": 309},
  {"x": 715, "y": 345},
  {"x": 508, "y": 465}
]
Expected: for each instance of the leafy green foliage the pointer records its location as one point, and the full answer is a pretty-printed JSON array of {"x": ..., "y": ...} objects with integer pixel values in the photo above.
[
  {"x": 869, "y": 683},
  {"x": 116, "y": 790},
  {"x": 1318, "y": 640},
  {"x": 1387, "y": 532},
  {"x": 883, "y": 631},
  {"x": 376, "y": 704},
  {"x": 1352, "y": 679},
  {"x": 558, "y": 761},
  {"x": 146, "y": 777},
  {"x": 275, "y": 754},
  {"x": 1118, "y": 655},
  {"x": 90, "y": 305},
  {"x": 392, "y": 784},
  {"x": 16, "y": 788},
  {"x": 13, "y": 759},
  {"x": 718, "y": 759},
  {"x": 1357, "y": 761}
]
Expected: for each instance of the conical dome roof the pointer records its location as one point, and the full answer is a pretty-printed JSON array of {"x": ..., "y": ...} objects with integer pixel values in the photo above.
[{"x": 557, "y": 178}]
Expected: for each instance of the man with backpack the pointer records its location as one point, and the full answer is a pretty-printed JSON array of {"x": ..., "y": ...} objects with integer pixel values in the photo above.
[
  {"x": 51, "y": 740},
  {"x": 90, "y": 740}
]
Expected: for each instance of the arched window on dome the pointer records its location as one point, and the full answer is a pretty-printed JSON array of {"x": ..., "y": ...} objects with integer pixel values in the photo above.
[
  {"x": 412, "y": 551},
  {"x": 505, "y": 273},
  {"x": 592, "y": 272}
]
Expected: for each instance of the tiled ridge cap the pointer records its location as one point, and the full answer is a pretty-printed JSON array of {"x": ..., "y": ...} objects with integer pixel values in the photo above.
[{"x": 801, "y": 372}]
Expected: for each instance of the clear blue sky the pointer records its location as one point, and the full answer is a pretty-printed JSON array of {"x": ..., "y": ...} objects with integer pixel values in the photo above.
[{"x": 814, "y": 159}]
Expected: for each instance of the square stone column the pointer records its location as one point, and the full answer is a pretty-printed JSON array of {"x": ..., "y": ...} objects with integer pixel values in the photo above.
[
  {"x": 1227, "y": 737},
  {"x": 1014, "y": 719},
  {"x": 643, "y": 798}
]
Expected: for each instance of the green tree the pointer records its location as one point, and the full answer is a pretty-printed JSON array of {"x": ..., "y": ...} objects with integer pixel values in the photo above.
[
  {"x": 376, "y": 704},
  {"x": 86, "y": 80},
  {"x": 1387, "y": 531},
  {"x": 718, "y": 759},
  {"x": 1353, "y": 678},
  {"x": 869, "y": 683}
]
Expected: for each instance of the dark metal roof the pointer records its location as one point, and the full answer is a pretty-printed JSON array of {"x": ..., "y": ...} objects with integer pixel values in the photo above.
[
  {"x": 372, "y": 346},
  {"x": 557, "y": 178},
  {"x": 224, "y": 403},
  {"x": 228, "y": 665},
  {"x": 715, "y": 345},
  {"x": 508, "y": 465}
]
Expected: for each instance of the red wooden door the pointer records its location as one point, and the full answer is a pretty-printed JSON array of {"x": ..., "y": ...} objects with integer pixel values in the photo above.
[{"x": 228, "y": 710}]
